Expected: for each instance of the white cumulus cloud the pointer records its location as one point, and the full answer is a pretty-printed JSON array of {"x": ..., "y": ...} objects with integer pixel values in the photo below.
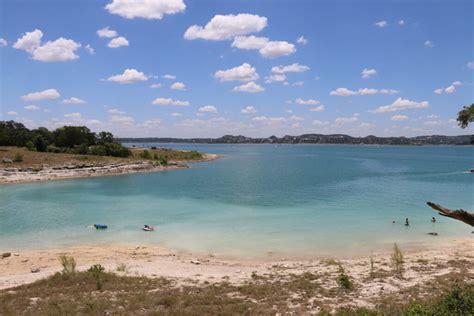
[
  {"x": 450, "y": 89},
  {"x": 277, "y": 49},
  {"x": 249, "y": 42},
  {"x": 401, "y": 104},
  {"x": 381, "y": 24},
  {"x": 222, "y": 27},
  {"x": 146, "y": 9},
  {"x": 178, "y": 86},
  {"x": 296, "y": 67},
  {"x": 118, "y": 42},
  {"x": 275, "y": 78},
  {"x": 12, "y": 113},
  {"x": 367, "y": 73},
  {"x": 470, "y": 65},
  {"x": 302, "y": 40},
  {"x": 73, "y": 100},
  {"x": 107, "y": 32},
  {"x": 169, "y": 77},
  {"x": 306, "y": 102},
  {"x": 250, "y": 87},
  {"x": 208, "y": 109},
  {"x": 317, "y": 109},
  {"x": 116, "y": 111},
  {"x": 32, "y": 108},
  {"x": 244, "y": 72},
  {"x": 399, "y": 118},
  {"x": 3, "y": 42},
  {"x": 169, "y": 101},
  {"x": 249, "y": 110},
  {"x": 129, "y": 76},
  {"x": 42, "y": 95},
  {"x": 344, "y": 92},
  {"x": 61, "y": 49}
]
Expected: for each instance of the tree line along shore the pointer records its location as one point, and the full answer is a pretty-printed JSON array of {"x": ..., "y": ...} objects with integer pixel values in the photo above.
[{"x": 75, "y": 151}]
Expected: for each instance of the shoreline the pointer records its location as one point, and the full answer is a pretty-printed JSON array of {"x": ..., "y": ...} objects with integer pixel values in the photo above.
[
  {"x": 421, "y": 266},
  {"x": 81, "y": 170}
]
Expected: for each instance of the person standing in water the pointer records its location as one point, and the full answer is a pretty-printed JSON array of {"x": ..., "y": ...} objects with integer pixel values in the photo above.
[
  {"x": 433, "y": 220},
  {"x": 406, "y": 222}
]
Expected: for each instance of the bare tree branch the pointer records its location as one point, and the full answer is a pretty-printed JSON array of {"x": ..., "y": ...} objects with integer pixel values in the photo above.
[{"x": 460, "y": 214}]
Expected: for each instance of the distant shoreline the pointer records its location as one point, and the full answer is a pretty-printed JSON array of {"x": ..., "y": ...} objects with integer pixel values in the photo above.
[{"x": 338, "y": 139}]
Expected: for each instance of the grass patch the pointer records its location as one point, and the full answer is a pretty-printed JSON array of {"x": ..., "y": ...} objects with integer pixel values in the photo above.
[
  {"x": 68, "y": 263},
  {"x": 397, "y": 262},
  {"x": 97, "y": 292}
]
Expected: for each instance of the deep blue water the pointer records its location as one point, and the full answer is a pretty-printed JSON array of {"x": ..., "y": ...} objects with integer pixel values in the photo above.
[{"x": 292, "y": 199}]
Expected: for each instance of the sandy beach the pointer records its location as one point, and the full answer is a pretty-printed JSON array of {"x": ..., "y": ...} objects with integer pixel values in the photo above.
[
  {"x": 421, "y": 267},
  {"x": 76, "y": 169}
]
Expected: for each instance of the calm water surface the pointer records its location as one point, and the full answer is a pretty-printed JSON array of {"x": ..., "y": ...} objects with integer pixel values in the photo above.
[{"x": 289, "y": 199}]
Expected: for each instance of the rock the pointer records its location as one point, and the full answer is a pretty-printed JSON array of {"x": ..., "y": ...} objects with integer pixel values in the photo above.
[
  {"x": 35, "y": 270},
  {"x": 7, "y": 160},
  {"x": 34, "y": 300},
  {"x": 6, "y": 254},
  {"x": 16, "y": 254},
  {"x": 195, "y": 261}
]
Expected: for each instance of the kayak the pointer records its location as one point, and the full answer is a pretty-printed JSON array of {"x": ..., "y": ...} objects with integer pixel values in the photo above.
[{"x": 100, "y": 226}]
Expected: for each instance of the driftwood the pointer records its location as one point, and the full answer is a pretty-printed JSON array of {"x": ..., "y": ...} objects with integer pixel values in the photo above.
[{"x": 460, "y": 214}]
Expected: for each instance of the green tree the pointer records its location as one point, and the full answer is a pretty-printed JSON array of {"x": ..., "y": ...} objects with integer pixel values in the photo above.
[
  {"x": 70, "y": 136},
  {"x": 105, "y": 138},
  {"x": 40, "y": 143},
  {"x": 14, "y": 134},
  {"x": 466, "y": 116}
]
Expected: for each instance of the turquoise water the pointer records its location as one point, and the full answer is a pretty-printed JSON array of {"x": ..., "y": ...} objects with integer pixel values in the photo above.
[{"x": 289, "y": 199}]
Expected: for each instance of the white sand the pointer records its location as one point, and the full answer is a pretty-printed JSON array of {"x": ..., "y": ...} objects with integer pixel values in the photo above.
[{"x": 420, "y": 265}]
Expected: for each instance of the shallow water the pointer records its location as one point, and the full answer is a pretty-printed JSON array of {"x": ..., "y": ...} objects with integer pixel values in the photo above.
[{"x": 289, "y": 199}]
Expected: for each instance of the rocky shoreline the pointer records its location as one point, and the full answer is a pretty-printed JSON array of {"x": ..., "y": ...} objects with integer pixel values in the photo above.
[{"x": 84, "y": 170}]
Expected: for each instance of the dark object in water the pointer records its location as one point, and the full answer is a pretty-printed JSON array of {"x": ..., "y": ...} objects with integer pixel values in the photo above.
[
  {"x": 406, "y": 222},
  {"x": 148, "y": 228},
  {"x": 100, "y": 226},
  {"x": 433, "y": 233},
  {"x": 472, "y": 170}
]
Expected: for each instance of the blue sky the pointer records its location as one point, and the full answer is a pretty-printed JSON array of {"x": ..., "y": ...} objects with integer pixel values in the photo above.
[{"x": 185, "y": 68}]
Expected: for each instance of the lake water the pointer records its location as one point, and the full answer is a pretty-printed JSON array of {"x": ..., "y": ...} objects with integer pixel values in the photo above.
[{"x": 288, "y": 199}]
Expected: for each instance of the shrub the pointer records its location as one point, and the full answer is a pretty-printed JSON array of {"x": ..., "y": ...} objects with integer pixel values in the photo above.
[
  {"x": 343, "y": 279},
  {"x": 145, "y": 154},
  {"x": 53, "y": 149},
  {"x": 97, "y": 150},
  {"x": 163, "y": 160},
  {"x": 18, "y": 157},
  {"x": 372, "y": 265},
  {"x": 68, "y": 263},
  {"x": 97, "y": 272},
  {"x": 30, "y": 146},
  {"x": 122, "y": 267},
  {"x": 397, "y": 261}
]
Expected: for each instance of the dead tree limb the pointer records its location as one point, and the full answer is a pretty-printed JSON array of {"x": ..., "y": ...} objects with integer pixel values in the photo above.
[{"x": 460, "y": 214}]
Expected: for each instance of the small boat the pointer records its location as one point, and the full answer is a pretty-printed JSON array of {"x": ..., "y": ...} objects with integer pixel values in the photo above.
[
  {"x": 472, "y": 170},
  {"x": 100, "y": 226},
  {"x": 148, "y": 228}
]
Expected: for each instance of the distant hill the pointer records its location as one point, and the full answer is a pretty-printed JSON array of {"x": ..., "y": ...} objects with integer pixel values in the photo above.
[{"x": 314, "y": 139}]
